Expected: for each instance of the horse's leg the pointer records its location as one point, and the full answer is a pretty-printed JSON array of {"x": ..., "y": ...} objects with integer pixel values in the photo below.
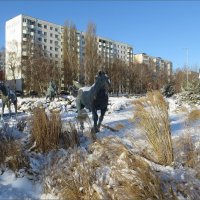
[
  {"x": 103, "y": 111},
  {"x": 3, "y": 106},
  {"x": 95, "y": 119},
  {"x": 15, "y": 104},
  {"x": 79, "y": 107},
  {"x": 9, "y": 108}
]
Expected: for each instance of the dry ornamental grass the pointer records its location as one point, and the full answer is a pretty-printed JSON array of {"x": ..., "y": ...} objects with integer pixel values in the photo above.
[
  {"x": 47, "y": 131},
  {"x": 152, "y": 116}
]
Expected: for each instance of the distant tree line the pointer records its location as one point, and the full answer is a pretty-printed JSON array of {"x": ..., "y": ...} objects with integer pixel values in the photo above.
[{"x": 38, "y": 68}]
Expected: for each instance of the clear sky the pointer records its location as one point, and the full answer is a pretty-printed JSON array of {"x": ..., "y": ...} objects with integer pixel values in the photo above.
[{"x": 158, "y": 28}]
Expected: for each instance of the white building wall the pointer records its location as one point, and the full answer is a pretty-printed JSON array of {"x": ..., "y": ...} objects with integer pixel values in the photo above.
[{"x": 13, "y": 43}]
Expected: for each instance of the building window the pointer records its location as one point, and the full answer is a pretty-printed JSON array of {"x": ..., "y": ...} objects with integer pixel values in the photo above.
[
  {"x": 56, "y": 55},
  {"x": 45, "y": 40},
  {"x": 40, "y": 25},
  {"x": 51, "y": 28},
  {"x": 39, "y": 32},
  {"x": 56, "y": 49},
  {"x": 56, "y": 29},
  {"x": 45, "y": 47},
  {"x": 56, "y": 36},
  {"x": 50, "y": 54},
  {"x": 45, "y": 33},
  {"x": 51, "y": 48},
  {"x": 45, "y": 26},
  {"x": 32, "y": 23},
  {"x": 40, "y": 39},
  {"x": 51, "y": 41},
  {"x": 24, "y": 20},
  {"x": 51, "y": 35}
]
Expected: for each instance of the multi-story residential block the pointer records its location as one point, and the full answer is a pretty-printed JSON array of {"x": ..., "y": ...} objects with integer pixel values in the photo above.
[
  {"x": 157, "y": 63},
  {"x": 22, "y": 28},
  {"x": 142, "y": 58}
]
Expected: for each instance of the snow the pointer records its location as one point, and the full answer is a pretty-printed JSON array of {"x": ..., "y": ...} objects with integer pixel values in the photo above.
[
  {"x": 18, "y": 188},
  {"x": 21, "y": 185}
]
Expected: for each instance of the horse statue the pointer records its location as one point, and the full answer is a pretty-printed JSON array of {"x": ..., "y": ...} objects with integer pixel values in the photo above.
[
  {"x": 8, "y": 97},
  {"x": 51, "y": 91},
  {"x": 94, "y": 98}
]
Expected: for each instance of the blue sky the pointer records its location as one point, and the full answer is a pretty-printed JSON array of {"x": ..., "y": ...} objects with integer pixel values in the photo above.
[{"x": 158, "y": 28}]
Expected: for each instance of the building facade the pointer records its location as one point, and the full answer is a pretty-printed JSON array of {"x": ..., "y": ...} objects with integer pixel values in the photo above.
[
  {"x": 157, "y": 63},
  {"x": 22, "y": 28}
]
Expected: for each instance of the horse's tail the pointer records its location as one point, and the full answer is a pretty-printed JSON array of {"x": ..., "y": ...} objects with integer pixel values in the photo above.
[{"x": 77, "y": 84}]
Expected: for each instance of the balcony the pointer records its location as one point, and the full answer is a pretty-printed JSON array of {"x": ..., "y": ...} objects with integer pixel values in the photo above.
[
  {"x": 24, "y": 53},
  {"x": 25, "y": 31},
  {"x": 25, "y": 39}
]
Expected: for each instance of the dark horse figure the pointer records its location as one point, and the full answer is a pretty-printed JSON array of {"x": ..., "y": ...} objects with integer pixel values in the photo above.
[
  {"x": 51, "y": 91},
  {"x": 94, "y": 98},
  {"x": 8, "y": 97}
]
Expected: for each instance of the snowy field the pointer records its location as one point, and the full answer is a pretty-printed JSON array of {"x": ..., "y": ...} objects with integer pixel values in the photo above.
[{"x": 25, "y": 184}]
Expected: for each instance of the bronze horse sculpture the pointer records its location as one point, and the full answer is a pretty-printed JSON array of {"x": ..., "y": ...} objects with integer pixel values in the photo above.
[
  {"x": 94, "y": 98},
  {"x": 51, "y": 91},
  {"x": 8, "y": 98}
]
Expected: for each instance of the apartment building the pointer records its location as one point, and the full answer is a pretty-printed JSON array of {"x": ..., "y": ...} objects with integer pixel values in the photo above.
[
  {"x": 50, "y": 36},
  {"x": 157, "y": 63}
]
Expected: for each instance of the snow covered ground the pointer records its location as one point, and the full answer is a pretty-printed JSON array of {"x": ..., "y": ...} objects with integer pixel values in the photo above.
[{"x": 22, "y": 185}]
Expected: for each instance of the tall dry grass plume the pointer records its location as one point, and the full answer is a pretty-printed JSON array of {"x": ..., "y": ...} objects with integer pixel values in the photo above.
[{"x": 152, "y": 116}]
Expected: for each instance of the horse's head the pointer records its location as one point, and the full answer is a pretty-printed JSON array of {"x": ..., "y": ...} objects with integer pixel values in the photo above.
[
  {"x": 103, "y": 80},
  {"x": 3, "y": 87}
]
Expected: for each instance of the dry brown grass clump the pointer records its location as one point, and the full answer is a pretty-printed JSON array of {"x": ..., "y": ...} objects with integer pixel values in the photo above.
[
  {"x": 47, "y": 131},
  {"x": 119, "y": 126},
  {"x": 194, "y": 115},
  {"x": 110, "y": 171},
  {"x": 11, "y": 154},
  {"x": 186, "y": 152},
  {"x": 152, "y": 116},
  {"x": 71, "y": 177},
  {"x": 70, "y": 137},
  {"x": 131, "y": 174}
]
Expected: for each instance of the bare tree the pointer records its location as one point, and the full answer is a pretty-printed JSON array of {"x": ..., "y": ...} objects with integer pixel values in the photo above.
[
  {"x": 38, "y": 68},
  {"x": 13, "y": 61},
  {"x": 92, "y": 60},
  {"x": 2, "y": 63},
  {"x": 70, "y": 54}
]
